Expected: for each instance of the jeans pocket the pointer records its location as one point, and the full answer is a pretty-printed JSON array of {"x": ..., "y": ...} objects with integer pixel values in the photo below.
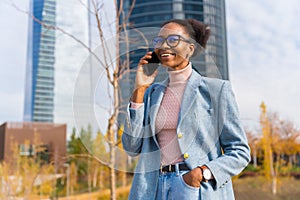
[{"x": 187, "y": 185}]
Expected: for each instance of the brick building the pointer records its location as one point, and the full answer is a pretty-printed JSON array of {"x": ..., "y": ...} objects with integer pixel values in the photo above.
[{"x": 46, "y": 140}]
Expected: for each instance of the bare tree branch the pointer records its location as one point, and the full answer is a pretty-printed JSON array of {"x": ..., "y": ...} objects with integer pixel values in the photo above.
[
  {"x": 86, "y": 6},
  {"x": 102, "y": 42},
  {"x": 120, "y": 8},
  {"x": 51, "y": 27},
  {"x": 130, "y": 10}
]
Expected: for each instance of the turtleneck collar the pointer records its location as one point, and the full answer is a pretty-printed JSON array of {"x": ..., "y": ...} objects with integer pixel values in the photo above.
[{"x": 180, "y": 76}]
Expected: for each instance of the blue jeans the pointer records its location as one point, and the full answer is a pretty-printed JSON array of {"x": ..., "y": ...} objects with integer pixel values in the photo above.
[{"x": 171, "y": 186}]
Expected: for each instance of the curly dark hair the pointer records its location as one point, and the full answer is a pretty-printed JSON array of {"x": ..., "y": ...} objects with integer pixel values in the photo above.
[{"x": 197, "y": 30}]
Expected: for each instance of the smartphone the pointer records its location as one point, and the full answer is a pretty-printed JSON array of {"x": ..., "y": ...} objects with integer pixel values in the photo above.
[{"x": 152, "y": 65}]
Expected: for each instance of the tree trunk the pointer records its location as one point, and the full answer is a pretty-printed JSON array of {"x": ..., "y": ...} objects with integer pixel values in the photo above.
[
  {"x": 89, "y": 175},
  {"x": 124, "y": 180},
  {"x": 274, "y": 185},
  {"x": 294, "y": 159},
  {"x": 254, "y": 158},
  {"x": 273, "y": 174},
  {"x": 290, "y": 161},
  {"x": 95, "y": 174},
  {"x": 112, "y": 175}
]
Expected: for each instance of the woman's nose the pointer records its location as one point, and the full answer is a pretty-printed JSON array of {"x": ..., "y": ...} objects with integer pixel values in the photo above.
[{"x": 164, "y": 45}]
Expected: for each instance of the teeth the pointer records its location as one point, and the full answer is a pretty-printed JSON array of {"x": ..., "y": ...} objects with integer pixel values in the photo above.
[{"x": 165, "y": 54}]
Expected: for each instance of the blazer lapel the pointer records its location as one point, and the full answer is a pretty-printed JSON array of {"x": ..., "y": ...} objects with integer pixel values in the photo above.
[
  {"x": 195, "y": 113},
  {"x": 189, "y": 96},
  {"x": 195, "y": 110},
  {"x": 155, "y": 99}
]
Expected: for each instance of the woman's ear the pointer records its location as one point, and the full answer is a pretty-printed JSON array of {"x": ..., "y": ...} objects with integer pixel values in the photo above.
[{"x": 192, "y": 49}]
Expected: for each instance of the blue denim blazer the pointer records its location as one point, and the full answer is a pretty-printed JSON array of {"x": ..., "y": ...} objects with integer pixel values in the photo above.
[{"x": 210, "y": 131}]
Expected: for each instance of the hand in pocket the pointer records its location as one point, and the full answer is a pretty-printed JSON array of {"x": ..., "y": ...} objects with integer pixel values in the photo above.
[{"x": 193, "y": 178}]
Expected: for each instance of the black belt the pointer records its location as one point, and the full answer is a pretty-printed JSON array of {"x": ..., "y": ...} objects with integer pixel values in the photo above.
[{"x": 172, "y": 168}]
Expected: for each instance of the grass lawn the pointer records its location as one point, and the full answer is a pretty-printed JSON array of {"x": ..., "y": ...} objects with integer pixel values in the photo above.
[{"x": 258, "y": 188}]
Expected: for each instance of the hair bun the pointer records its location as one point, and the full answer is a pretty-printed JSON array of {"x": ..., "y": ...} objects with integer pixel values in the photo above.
[
  {"x": 202, "y": 31},
  {"x": 197, "y": 30},
  {"x": 206, "y": 35}
]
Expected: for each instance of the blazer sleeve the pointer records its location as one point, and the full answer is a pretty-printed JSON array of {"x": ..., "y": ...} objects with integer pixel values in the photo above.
[
  {"x": 233, "y": 140},
  {"x": 132, "y": 138}
]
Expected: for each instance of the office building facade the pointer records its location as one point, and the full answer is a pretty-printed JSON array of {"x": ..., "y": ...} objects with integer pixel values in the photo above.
[
  {"x": 54, "y": 59},
  {"x": 39, "y": 86}
]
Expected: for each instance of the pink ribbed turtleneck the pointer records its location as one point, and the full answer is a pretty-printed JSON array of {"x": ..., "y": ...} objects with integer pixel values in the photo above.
[{"x": 167, "y": 117}]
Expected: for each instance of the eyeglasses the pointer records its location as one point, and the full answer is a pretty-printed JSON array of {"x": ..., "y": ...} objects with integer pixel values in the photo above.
[{"x": 172, "y": 40}]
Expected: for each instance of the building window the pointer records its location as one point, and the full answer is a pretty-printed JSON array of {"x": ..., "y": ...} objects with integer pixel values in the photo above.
[
  {"x": 41, "y": 151},
  {"x": 26, "y": 150}
]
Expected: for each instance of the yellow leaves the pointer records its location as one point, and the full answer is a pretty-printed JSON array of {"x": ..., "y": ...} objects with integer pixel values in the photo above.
[
  {"x": 278, "y": 143},
  {"x": 119, "y": 136},
  {"x": 266, "y": 142},
  {"x": 72, "y": 177},
  {"x": 20, "y": 175}
]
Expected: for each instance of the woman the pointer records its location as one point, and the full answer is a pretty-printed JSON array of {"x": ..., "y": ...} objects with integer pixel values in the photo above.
[{"x": 186, "y": 129}]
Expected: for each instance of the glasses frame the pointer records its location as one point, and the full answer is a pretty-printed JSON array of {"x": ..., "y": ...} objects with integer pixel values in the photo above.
[{"x": 181, "y": 38}]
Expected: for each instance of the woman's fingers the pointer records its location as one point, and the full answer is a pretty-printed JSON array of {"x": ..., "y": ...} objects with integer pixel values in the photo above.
[
  {"x": 144, "y": 60},
  {"x": 142, "y": 78}
]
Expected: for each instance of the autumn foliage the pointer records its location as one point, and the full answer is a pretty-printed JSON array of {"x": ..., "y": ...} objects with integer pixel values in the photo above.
[{"x": 275, "y": 148}]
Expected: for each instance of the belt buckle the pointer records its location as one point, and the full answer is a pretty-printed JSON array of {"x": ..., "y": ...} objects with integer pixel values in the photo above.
[{"x": 169, "y": 168}]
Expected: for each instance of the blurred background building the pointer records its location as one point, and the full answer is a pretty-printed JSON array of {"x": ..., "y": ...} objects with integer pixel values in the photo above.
[
  {"x": 54, "y": 59},
  {"x": 39, "y": 91},
  {"x": 45, "y": 141}
]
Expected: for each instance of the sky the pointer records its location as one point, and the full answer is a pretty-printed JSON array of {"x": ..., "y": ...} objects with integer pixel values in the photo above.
[
  {"x": 263, "y": 52},
  {"x": 264, "y": 62}
]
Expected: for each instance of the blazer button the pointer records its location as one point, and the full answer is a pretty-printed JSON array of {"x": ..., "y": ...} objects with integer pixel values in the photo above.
[
  {"x": 179, "y": 135},
  {"x": 186, "y": 155}
]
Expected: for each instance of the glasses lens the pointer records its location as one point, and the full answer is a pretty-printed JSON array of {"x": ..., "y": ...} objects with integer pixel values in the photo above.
[
  {"x": 173, "y": 40},
  {"x": 157, "y": 42}
]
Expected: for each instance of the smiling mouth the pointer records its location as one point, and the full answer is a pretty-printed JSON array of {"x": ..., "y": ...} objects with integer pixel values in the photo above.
[{"x": 164, "y": 55}]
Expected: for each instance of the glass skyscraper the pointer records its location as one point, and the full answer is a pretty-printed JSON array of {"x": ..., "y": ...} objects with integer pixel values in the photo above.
[
  {"x": 54, "y": 59},
  {"x": 39, "y": 91},
  {"x": 73, "y": 17}
]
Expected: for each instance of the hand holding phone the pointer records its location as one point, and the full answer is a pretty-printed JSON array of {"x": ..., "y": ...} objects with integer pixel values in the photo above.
[
  {"x": 154, "y": 58},
  {"x": 152, "y": 65}
]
